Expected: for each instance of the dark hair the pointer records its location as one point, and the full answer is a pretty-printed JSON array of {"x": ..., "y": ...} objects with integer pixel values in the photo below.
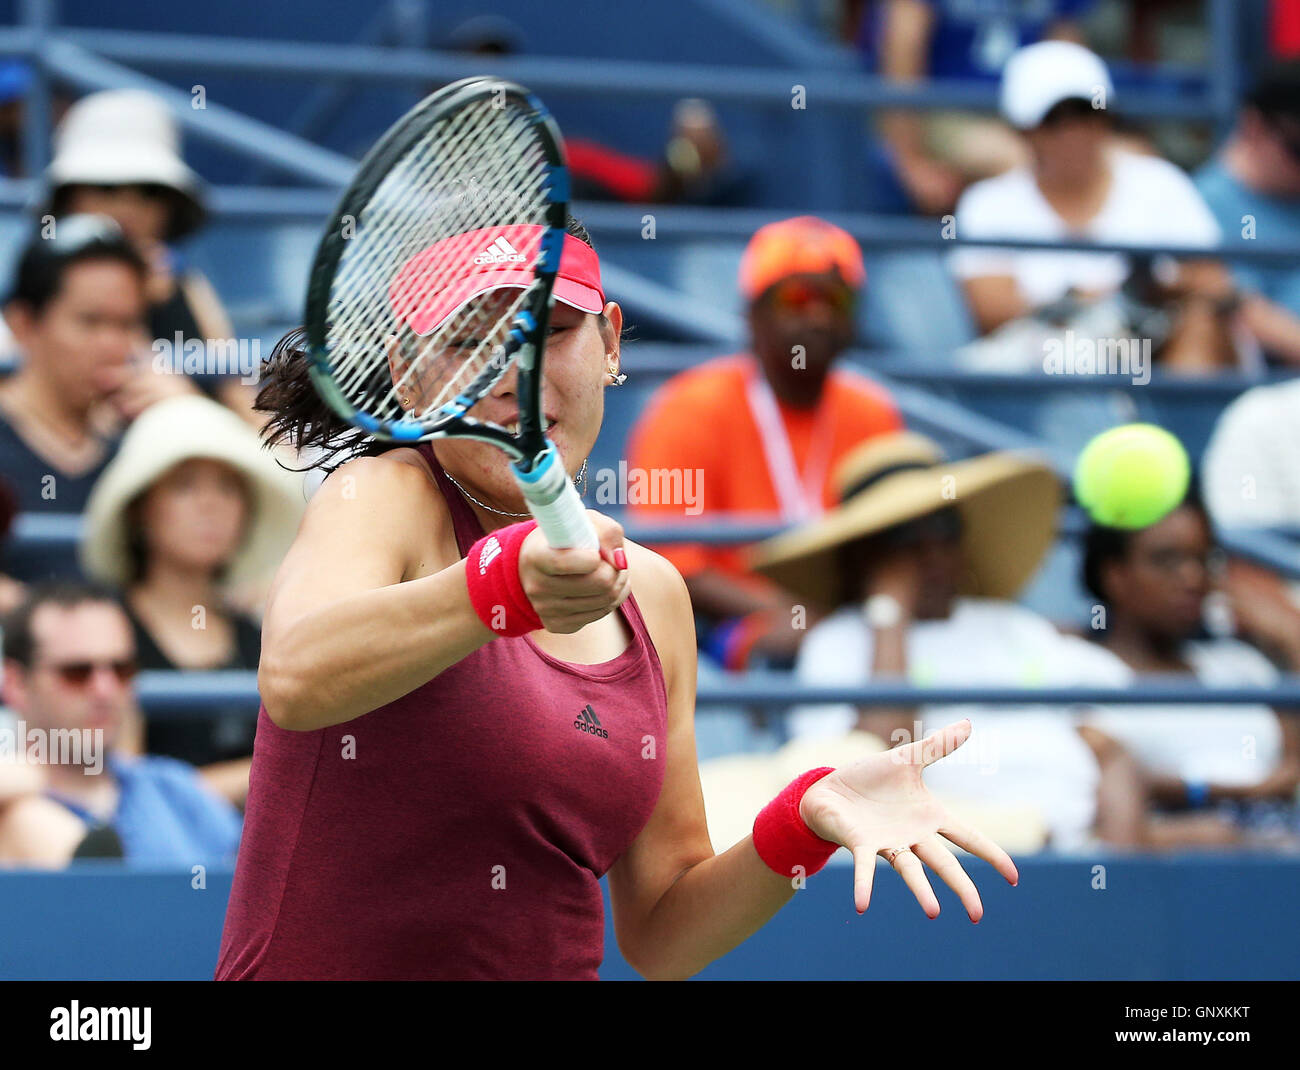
[
  {"x": 184, "y": 213},
  {"x": 45, "y": 262},
  {"x": 298, "y": 416},
  {"x": 1102, "y": 545},
  {"x": 1276, "y": 91},
  {"x": 19, "y": 642}
]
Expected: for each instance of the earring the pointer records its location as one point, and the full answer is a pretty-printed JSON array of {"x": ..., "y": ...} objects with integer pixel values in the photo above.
[
  {"x": 581, "y": 478},
  {"x": 617, "y": 379}
]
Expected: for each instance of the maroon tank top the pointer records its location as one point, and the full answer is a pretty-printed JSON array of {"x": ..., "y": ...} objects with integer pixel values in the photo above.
[{"x": 458, "y": 832}]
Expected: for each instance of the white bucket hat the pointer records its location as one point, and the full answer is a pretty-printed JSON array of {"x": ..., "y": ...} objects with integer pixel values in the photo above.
[
  {"x": 1038, "y": 77},
  {"x": 122, "y": 137},
  {"x": 164, "y": 435}
]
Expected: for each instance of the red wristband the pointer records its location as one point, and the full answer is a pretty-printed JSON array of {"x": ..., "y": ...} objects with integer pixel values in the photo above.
[
  {"x": 782, "y": 838},
  {"x": 495, "y": 590}
]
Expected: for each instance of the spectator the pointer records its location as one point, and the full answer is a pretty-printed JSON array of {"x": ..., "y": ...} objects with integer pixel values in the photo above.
[
  {"x": 693, "y": 166},
  {"x": 1219, "y": 774},
  {"x": 1253, "y": 187},
  {"x": 76, "y": 311},
  {"x": 761, "y": 433},
  {"x": 68, "y": 662},
  {"x": 1081, "y": 185},
  {"x": 919, "y": 566},
  {"x": 1252, "y": 479},
  {"x": 934, "y": 155},
  {"x": 190, "y": 507},
  {"x": 117, "y": 154}
]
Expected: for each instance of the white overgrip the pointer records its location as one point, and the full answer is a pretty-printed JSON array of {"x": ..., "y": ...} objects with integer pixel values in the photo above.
[{"x": 554, "y": 502}]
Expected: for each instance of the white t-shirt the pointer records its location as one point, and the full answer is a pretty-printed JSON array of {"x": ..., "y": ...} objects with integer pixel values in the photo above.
[
  {"x": 1029, "y": 755},
  {"x": 1230, "y": 744},
  {"x": 1252, "y": 463},
  {"x": 1151, "y": 202}
]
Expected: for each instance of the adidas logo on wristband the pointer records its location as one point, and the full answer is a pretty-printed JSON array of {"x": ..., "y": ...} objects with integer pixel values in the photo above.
[{"x": 490, "y": 552}]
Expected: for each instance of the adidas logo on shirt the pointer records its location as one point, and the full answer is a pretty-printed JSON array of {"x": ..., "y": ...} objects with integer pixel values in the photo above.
[
  {"x": 500, "y": 252},
  {"x": 588, "y": 722}
]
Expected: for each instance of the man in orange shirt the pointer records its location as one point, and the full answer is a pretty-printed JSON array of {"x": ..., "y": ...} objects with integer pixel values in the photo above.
[{"x": 762, "y": 432}]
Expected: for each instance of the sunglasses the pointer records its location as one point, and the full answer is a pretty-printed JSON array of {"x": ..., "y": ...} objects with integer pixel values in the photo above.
[
  {"x": 795, "y": 295},
  {"x": 79, "y": 673}
]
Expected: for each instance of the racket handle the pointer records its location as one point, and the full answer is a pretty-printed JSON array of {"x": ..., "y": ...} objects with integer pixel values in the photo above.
[{"x": 553, "y": 500}]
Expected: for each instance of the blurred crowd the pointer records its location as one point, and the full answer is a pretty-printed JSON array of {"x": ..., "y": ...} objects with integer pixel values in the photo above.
[{"x": 896, "y": 563}]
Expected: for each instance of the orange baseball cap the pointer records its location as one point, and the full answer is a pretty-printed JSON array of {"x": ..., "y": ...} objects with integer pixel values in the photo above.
[{"x": 804, "y": 245}]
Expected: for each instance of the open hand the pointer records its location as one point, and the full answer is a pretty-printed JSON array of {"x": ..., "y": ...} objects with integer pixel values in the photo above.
[{"x": 879, "y": 805}]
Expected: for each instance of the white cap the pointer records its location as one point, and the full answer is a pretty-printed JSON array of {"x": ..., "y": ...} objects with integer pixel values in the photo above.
[
  {"x": 120, "y": 137},
  {"x": 1038, "y": 77}
]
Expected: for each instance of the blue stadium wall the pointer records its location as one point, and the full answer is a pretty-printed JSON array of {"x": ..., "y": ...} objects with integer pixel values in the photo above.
[{"x": 1156, "y": 919}]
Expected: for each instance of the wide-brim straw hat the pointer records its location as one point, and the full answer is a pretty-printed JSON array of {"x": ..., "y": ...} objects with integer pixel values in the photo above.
[
  {"x": 122, "y": 137},
  {"x": 165, "y": 434},
  {"x": 1008, "y": 504}
]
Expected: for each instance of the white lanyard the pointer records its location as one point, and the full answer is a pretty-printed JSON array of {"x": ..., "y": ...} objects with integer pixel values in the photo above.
[{"x": 800, "y": 496}]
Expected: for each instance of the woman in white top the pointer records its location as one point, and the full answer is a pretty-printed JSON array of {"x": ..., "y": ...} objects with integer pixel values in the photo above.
[
  {"x": 1223, "y": 772},
  {"x": 919, "y": 566},
  {"x": 1082, "y": 185}
]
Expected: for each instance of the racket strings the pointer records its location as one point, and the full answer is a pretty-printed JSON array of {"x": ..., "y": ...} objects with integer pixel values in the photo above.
[{"x": 479, "y": 167}]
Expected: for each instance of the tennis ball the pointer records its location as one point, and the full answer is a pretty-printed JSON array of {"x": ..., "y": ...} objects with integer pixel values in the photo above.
[{"x": 1132, "y": 476}]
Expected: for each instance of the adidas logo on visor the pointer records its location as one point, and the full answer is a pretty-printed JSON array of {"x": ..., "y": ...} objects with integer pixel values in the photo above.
[{"x": 500, "y": 252}]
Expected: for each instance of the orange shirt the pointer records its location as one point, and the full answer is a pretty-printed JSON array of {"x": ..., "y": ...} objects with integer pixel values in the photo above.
[{"x": 702, "y": 421}]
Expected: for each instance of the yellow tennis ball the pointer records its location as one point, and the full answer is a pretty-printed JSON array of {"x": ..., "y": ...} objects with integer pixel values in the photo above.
[{"x": 1132, "y": 476}]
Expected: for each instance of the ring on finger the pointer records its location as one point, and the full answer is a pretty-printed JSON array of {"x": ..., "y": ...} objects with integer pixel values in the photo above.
[{"x": 893, "y": 853}]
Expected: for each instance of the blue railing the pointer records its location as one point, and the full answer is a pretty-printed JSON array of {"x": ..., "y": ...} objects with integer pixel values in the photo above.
[{"x": 182, "y": 694}]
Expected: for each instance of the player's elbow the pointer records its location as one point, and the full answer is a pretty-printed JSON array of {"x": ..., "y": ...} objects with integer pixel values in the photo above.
[
  {"x": 282, "y": 693},
  {"x": 654, "y": 963}
]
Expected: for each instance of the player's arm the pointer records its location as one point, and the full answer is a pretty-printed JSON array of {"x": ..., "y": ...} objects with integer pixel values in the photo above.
[
  {"x": 676, "y": 905},
  {"x": 342, "y": 634},
  {"x": 346, "y": 631}
]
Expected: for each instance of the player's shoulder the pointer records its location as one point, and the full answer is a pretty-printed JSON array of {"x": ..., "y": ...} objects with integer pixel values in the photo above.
[
  {"x": 659, "y": 589},
  {"x": 398, "y": 479},
  {"x": 388, "y": 500}
]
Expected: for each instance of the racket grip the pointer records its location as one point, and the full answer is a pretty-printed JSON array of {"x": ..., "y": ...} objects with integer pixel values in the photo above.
[{"x": 554, "y": 502}]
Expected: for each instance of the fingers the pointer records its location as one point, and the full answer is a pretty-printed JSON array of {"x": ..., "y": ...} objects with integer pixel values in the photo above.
[
  {"x": 909, "y": 867},
  {"x": 864, "y": 872},
  {"x": 982, "y": 847},
  {"x": 935, "y": 855},
  {"x": 936, "y": 745}
]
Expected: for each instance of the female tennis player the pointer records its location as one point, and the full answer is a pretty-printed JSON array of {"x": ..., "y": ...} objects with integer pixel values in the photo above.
[{"x": 463, "y": 729}]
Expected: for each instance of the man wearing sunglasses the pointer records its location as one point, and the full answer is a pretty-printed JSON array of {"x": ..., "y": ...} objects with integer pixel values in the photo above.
[
  {"x": 69, "y": 662},
  {"x": 765, "y": 429}
]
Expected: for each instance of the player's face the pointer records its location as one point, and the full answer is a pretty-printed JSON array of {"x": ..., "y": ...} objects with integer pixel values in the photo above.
[
  {"x": 1164, "y": 578},
  {"x": 580, "y": 354}
]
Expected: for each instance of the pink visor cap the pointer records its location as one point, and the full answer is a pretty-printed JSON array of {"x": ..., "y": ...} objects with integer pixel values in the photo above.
[{"x": 491, "y": 258}]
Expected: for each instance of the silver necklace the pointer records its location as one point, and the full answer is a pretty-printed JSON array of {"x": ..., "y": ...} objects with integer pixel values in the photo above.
[{"x": 580, "y": 477}]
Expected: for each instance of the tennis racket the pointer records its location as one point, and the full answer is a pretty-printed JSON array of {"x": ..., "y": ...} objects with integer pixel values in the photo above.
[{"x": 478, "y": 157}]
